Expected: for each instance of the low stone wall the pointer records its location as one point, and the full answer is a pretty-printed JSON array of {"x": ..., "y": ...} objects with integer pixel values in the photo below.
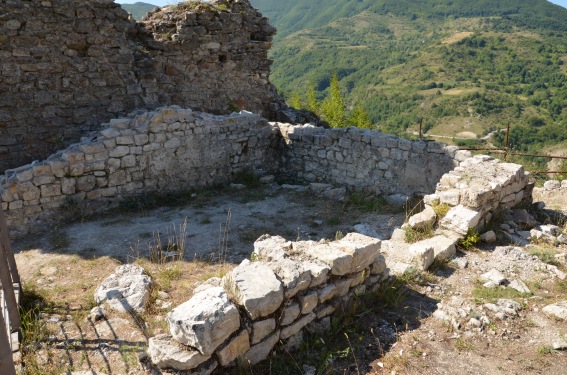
[
  {"x": 473, "y": 193},
  {"x": 287, "y": 288},
  {"x": 477, "y": 189},
  {"x": 167, "y": 149},
  {"x": 365, "y": 160}
]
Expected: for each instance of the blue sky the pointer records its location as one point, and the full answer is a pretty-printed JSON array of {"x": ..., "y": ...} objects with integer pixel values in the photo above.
[{"x": 563, "y": 3}]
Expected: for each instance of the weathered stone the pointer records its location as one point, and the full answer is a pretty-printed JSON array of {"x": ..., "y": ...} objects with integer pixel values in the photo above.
[
  {"x": 363, "y": 249},
  {"x": 558, "y": 310},
  {"x": 294, "y": 328},
  {"x": 443, "y": 246},
  {"x": 289, "y": 314},
  {"x": 425, "y": 218},
  {"x": 260, "y": 351},
  {"x": 293, "y": 275},
  {"x": 166, "y": 353},
  {"x": 422, "y": 255},
  {"x": 271, "y": 248},
  {"x": 258, "y": 299},
  {"x": 262, "y": 329},
  {"x": 308, "y": 302},
  {"x": 338, "y": 261},
  {"x": 127, "y": 289},
  {"x": 234, "y": 349},
  {"x": 319, "y": 273},
  {"x": 493, "y": 276},
  {"x": 520, "y": 286},
  {"x": 488, "y": 237},
  {"x": 205, "y": 321},
  {"x": 379, "y": 265},
  {"x": 459, "y": 219}
]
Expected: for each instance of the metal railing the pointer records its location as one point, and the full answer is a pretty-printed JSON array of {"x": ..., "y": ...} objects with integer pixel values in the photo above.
[{"x": 9, "y": 301}]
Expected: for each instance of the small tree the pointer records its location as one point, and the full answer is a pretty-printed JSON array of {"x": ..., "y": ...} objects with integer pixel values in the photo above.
[
  {"x": 359, "y": 118},
  {"x": 333, "y": 108},
  {"x": 312, "y": 103}
]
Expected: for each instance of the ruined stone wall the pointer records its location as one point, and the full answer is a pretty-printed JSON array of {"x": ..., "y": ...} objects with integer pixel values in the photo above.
[
  {"x": 66, "y": 66},
  {"x": 168, "y": 149},
  {"x": 238, "y": 319},
  {"x": 365, "y": 160}
]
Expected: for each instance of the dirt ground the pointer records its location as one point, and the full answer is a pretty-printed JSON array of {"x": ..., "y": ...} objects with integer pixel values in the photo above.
[{"x": 393, "y": 331}]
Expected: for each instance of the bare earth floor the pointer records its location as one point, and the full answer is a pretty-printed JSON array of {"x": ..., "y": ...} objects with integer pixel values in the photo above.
[{"x": 391, "y": 332}]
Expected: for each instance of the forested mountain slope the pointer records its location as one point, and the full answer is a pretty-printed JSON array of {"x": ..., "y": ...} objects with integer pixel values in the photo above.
[{"x": 465, "y": 67}]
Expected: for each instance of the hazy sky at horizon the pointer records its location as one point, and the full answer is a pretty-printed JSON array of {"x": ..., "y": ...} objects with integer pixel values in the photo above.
[{"x": 563, "y": 3}]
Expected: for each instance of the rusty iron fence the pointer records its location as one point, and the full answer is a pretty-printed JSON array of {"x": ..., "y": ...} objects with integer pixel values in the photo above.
[
  {"x": 9, "y": 302},
  {"x": 506, "y": 152}
]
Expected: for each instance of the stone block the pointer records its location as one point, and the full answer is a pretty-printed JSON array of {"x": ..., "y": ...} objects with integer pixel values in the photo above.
[
  {"x": 293, "y": 276},
  {"x": 289, "y": 314},
  {"x": 271, "y": 248},
  {"x": 205, "y": 321},
  {"x": 363, "y": 250},
  {"x": 319, "y": 273},
  {"x": 260, "y": 351},
  {"x": 379, "y": 265},
  {"x": 261, "y": 329},
  {"x": 294, "y": 328},
  {"x": 308, "y": 302},
  {"x": 424, "y": 219},
  {"x": 326, "y": 292},
  {"x": 339, "y": 262},
  {"x": 422, "y": 255},
  {"x": 234, "y": 349},
  {"x": 259, "y": 299},
  {"x": 459, "y": 219},
  {"x": 126, "y": 290},
  {"x": 166, "y": 353},
  {"x": 443, "y": 247}
]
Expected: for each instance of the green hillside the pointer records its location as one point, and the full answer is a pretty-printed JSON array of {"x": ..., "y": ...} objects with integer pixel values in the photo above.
[
  {"x": 138, "y": 10},
  {"x": 465, "y": 68}
]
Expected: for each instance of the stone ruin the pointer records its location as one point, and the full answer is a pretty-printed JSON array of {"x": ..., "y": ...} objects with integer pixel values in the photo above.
[
  {"x": 93, "y": 65},
  {"x": 239, "y": 318},
  {"x": 67, "y": 66}
]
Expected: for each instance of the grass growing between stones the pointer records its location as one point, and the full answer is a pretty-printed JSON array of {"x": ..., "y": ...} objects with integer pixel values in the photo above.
[
  {"x": 418, "y": 234},
  {"x": 545, "y": 253}
]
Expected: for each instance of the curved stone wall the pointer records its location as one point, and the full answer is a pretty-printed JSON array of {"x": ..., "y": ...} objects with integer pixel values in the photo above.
[
  {"x": 66, "y": 66},
  {"x": 365, "y": 159}
]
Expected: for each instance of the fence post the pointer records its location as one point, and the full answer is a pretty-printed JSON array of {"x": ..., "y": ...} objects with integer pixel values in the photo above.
[{"x": 6, "y": 360}]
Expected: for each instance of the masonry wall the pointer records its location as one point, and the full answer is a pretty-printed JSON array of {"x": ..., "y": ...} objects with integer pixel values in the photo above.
[
  {"x": 66, "y": 66},
  {"x": 167, "y": 149},
  {"x": 238, "y": 319},
  {"x": 365, "y": 160}
]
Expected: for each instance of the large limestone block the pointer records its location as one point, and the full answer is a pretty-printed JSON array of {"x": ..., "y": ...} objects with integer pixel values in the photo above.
[
  {"x": 294, "y": 276},
  {"x": 443, "y": 246},
  {"x": 363, "y": 249},
  {"x": 205, "y": 321},
  {"x": 424, "y": 219},
  {"x": 260, "y": 351},
  {"x": 271, "y": 248},
  {"x": 234, "y": 349},
  {"x": 127, "y": 289},
  {"x": 166, "y": 353},
  {"x": 459, "y": 219},
  {"x": 338, "y": 261},
  {"x": 256, "y": 288},
  {"x": 422, "y": 255}
]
